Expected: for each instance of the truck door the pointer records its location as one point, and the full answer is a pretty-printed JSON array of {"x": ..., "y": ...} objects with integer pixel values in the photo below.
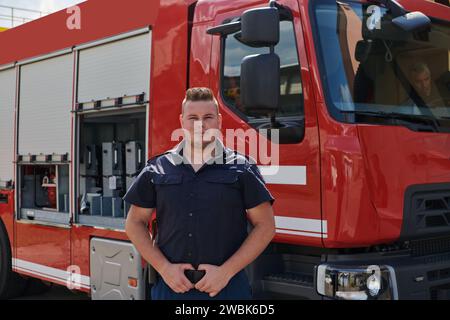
[
  {"x": 43, "y": 162},
  {"x": 296, "y": 185}
]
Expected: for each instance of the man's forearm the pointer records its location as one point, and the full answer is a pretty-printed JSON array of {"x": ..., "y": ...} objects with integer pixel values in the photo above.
[
  {"x": 138, "y": 234},
  {"x": 253, "y": 246}
]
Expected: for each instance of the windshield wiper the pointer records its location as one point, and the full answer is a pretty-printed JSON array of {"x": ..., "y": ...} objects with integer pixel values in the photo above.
[{"x": 431, "y": 121}]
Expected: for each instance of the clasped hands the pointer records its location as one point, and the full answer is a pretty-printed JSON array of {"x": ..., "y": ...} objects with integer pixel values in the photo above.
[{"x": 214, "y": 280}]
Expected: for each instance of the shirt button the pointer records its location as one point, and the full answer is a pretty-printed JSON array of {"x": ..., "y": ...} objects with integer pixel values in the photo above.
[
  {"x": 189, "y": 254},
  {"x": 190, "y": 235},
  {"x": 190, "y": 214}
]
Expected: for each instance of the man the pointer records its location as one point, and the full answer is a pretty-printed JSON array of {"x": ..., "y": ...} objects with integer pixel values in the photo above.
[
  {"x": 202, "y": 209},
  {"x": 421, "y": 81}
]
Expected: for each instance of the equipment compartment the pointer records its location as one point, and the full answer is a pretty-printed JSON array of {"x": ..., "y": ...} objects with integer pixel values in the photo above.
[
  {"x": 44, "y": 192},
  {"x": 111, "y": 154}
]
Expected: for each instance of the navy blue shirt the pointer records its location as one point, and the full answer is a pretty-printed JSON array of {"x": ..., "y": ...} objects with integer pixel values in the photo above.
[{"x": 201, "y": 216}]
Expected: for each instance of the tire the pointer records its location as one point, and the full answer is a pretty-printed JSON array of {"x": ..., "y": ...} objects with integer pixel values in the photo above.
[{"x": 11, "y": 284}]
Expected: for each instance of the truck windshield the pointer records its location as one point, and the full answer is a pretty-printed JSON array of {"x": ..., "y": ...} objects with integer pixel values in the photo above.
[{"x": 372, "y": 71}]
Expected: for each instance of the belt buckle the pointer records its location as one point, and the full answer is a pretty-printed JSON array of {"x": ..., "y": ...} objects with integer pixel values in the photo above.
[{"x": 194, "y": 276}]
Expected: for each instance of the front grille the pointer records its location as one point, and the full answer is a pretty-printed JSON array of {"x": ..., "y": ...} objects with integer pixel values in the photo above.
[
  {"x": 433, "y": 212},
  {"x": 294, "y": 278},
  {"x": 429, "y": 246},
  {"x": 426, "y": 211},
  {"x": 441, "y": 274}
]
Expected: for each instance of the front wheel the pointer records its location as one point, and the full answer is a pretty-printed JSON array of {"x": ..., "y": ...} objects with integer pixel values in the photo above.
[{"x": 11, "y": 283}]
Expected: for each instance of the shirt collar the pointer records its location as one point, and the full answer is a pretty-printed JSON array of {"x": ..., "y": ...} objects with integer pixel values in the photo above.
[{"x": 219, "y": 156}]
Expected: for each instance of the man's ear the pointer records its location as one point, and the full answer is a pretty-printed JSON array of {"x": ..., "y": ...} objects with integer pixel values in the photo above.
[{"x": 181, "y": 120}]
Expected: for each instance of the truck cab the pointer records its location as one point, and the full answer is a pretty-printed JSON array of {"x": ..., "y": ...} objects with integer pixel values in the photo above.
[{"x": 364, "y": 110}]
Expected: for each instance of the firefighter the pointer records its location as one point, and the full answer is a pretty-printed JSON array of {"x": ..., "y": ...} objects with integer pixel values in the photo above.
[{"x": 203, "y": 198}]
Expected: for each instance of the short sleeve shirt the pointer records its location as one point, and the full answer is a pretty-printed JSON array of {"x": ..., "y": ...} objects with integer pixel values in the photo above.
[{"x": 201, "y": 216}]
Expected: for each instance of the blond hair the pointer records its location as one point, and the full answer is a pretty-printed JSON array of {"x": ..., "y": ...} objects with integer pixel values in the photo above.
[{"x": 200, "y": 94}]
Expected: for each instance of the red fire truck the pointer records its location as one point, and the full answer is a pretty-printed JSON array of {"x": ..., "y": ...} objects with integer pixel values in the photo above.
[{"x": 359, "y": 94}]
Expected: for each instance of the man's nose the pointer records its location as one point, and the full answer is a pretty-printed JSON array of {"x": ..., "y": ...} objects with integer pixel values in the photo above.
[{"x": 199, "y": 126}]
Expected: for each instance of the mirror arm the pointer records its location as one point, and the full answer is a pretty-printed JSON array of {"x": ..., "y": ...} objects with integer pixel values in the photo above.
[
  {"x": 285, "y": 12},
  {"x": 235, "y": 26},
  {"x": 225, "y": 29}
]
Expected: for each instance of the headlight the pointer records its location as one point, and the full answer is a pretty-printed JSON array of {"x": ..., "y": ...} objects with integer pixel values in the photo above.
[{"x": 356, "y": 283}]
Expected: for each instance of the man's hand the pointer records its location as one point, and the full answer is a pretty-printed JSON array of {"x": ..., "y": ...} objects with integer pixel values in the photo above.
[
  {"x": 214, "y": 280},
  {"x": 174, "y": 277}
]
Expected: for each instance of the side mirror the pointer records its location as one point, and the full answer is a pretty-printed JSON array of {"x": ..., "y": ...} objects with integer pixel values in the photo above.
[
  {"x": 407, "y": 21},
  {"x": 260, "y": 27},
  {"x": 260, "y": 83},
  {"x": 412, "y": 22}
]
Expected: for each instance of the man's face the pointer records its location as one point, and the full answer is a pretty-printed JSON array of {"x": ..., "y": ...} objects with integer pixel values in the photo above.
[
  {"x": 204, "y": 116},
  {"x": 422, "y": 83}
]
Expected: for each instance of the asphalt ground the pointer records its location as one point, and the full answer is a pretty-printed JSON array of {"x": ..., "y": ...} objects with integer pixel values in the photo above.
[{"x": 56, "y": 292}]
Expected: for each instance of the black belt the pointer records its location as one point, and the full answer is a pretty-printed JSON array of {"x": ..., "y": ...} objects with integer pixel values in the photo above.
[{"x": 194, "y": 276}]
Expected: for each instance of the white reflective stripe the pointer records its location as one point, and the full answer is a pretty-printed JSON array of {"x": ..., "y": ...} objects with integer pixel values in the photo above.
[
  {"x": 284, "y": 174},
  {"x": 301, "y": 224},
  {"x": 300, "y": 233},
  {"x": 46, "y": 276},
  {"x": 324, "y": 226},
  {"x": 53, "y": 273}
]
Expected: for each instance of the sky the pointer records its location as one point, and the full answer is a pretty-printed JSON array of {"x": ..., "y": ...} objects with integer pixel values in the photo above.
[{"x": 40, "y": 5}]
